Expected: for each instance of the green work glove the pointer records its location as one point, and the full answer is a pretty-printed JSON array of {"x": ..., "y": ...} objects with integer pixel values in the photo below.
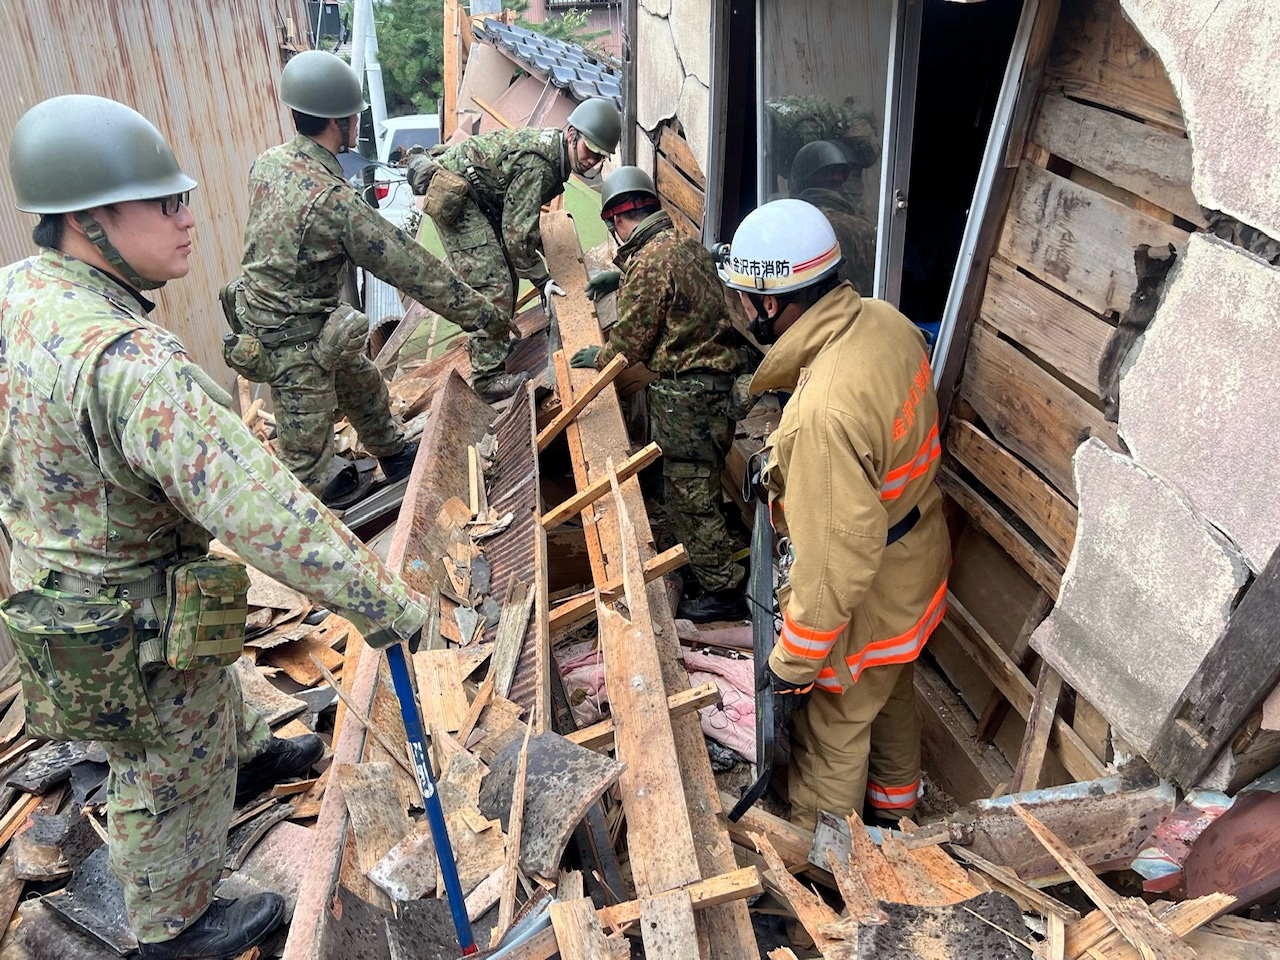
[
  {"x": 585, "y": 359},
  {"x": 603, "y": 283}
]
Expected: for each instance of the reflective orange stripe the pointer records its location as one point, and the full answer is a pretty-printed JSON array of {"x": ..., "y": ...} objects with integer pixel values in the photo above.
[
  {"x": 826, "y": 680},
  {"x": 807, "y": 642},
  {"x": 897, "y": 479},
  {"x": 906, "y": 646},
  {"x": 893, "y": 798}
]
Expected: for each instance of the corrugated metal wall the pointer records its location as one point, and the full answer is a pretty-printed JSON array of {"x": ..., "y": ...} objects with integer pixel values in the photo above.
[{"x": 205, "y": 72}]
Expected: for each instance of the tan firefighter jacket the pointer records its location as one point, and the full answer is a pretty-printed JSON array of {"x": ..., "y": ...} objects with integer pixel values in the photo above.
[{"x": 855, "y": 451}]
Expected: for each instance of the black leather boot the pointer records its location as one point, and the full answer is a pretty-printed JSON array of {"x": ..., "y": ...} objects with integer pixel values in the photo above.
[
  {"x": 282, "y": 760},
  {"x": 397, "y": 467},
  {"x": 226, "y": 930},
  {"x": 713, "y": 605}
]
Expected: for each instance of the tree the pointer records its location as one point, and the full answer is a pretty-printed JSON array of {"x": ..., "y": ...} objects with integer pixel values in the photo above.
[
  {"x": 570, "y": 25},
  {"x": 411, "y": 53}
]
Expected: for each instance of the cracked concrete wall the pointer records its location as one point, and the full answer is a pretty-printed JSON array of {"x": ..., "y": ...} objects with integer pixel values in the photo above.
[
  {"x": 1221, "y": 58},
  {"x": 673, "y": 53},
  {"x": 1198, "y": 404},
  {"x": 1125, "y": 631}
]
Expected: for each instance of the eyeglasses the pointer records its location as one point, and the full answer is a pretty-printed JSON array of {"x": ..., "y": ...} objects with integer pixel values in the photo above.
[{"x": 169, "y": 205}]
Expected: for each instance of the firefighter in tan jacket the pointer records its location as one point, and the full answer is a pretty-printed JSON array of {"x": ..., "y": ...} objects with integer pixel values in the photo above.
[{"x": 850, "y": 480}]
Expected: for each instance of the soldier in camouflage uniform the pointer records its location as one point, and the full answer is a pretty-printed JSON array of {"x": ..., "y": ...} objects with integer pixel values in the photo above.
[
  {"x": 119, "y": 459},
  {"x": 672, "y": 318},
  {"x": 494, "y": 238},
  {"x": 819, "y": 175},
  {"x": 306, "y": 225}
]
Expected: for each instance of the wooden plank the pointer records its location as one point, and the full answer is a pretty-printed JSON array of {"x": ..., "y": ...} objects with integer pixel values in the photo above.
[
  {"x": 997, "y": 706},
  {"x": 1230, "y": 683},
  {"x": 966, "y": 768},
  {"x": 672, "y": 184},
  {"x": 1018, "y": 690},
  {"x": 1028, "y": 897},
  {"x": 791, "y": 841},
  {"x": 599, "y": 736},
  {"x": 1098, "y": 56},
  {"x": 1050, "y": 515},
  {"x": 544, "y": 659},
  {"x": 404, "y": 330},
  {"x": 1029, "y": 411},
  {"x": 1131, "y": 917},
  {"x": 441, "y": 697},
  {"x": 809, "y": 908},
  {"x": 1095, "y": 932},
  {"x": 1078, "y": 241},
  {"x": 583, "y": 606},
  {"x": 727, "y": 888},
  {"x": 1044, "y": 708},
  {"x": 1059, "y": 331},
  {"x": 666, "y": 925},
  {"x": 365, "y": 723},
  {"x": 676, "y": 149},
  {"x": 596, "y": 435},
  {"x": 578, "y": 934},
  {"x": 515, "y": 823},
  {"x": 377, "y": 816},
  {"x": 1143, "y": 159},
  {"x": 585, "y": 498},
  {"x": 580, "y": 401},
  {"x": 510, "y": 637},
  {"x": 999, "y": 529}
]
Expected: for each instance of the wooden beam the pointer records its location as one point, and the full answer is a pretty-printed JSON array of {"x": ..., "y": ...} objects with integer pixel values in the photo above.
[
  {"x": 1017, "y": 689},
  {"x": 999, "y": 529},
  {"x": 578, "y": 935},
  {"x": 1131, "y": 917},
  {"x": 1029, "y": 411},
  {"x": 583, "y": 606},
  {"x": 599, "y": 736},
  {"x": 580, "y": 401},
  {"x": 592, "y": 439},
  {"x": 1231, "y": 682},
  {"x": 966, "y": 768},
  {"x": 997, "y": 707},
  {"x": 1049, "y": 515},
  {"x": 511, "y": 869},
  {"x": 584, "y": 498},
  {"x": 1035, "y": 741}
]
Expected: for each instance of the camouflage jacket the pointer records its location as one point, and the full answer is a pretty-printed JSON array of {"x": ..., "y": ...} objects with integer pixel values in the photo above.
[
  {"x": 672, "y": 316},
  {"x": 519, "y": 171},
  {"x": 857, "y": 235},
  {"x": 114, "y": 454},
  {"x": 306, "y": 223}
]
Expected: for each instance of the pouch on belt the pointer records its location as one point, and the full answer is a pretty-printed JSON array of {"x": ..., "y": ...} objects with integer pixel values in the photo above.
[
  {"x": 208, "y": 603},
  {"x": 78, "y": 662}
]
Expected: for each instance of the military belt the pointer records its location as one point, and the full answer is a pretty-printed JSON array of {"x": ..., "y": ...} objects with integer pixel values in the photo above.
[
  {"x": 144, "y": 589},
  {"x": 719, "y": 382},
  {"x": 302, "y": 332}
]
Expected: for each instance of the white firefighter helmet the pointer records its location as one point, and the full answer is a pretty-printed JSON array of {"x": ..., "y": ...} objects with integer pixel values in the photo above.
[{"x": 779, "y": 247}]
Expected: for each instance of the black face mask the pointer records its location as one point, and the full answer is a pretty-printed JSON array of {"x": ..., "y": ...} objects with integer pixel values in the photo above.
[{"x": 761, "y": 325}]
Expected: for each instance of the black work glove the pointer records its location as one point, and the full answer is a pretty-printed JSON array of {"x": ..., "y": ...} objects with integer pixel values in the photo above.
[
  {"x": 788, "y": 697},
  {"x": 602, "y": 284},
  {"x": 381, "y": 639}
]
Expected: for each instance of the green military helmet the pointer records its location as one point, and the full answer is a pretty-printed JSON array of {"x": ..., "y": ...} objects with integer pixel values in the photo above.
[
  {"x": 622, "y": 181},
  {"x": 321, "y": 84},
  {"x": 814, "y": 158},
  {"x": 599, "y": 123},
  {"x": 76, "y": 152}
]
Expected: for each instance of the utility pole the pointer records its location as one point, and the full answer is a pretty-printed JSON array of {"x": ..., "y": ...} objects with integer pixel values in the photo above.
[{"x": 377, "y": 97}]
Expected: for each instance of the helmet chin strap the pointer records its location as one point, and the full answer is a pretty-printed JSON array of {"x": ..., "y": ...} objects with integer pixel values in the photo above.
[
  {"x": 761, "y": 325},
  {"x": 98, "y": 237}
]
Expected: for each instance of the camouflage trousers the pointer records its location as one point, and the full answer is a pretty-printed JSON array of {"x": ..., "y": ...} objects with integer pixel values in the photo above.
[
  {"x": 690, "y": 423},
  {"x": 476, "y": 256},
  {"x": 306, "y": 396},
  {"x": 168, "y": 806}
]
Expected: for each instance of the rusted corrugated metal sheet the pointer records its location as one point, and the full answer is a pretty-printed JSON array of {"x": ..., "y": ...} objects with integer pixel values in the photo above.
[
  {"x": 205, "y": 73},
  {"x": 514, "y": 490}
]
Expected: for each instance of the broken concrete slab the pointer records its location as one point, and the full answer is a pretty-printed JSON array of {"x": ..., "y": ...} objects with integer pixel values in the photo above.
[
  {"x": 276, "y": 864},
  {"x": 93, "y": 903},
  {"x": 1220, "y": 58},
  {"x": 1127, "y": 632},
  {"x": 51, "y": 765},
  {"x": 987, "y": 927},
  {"x": 569, "y": 780},
  {"x": 43, "y": 935},
  {"x": 1211, "y": 347},
  {"x": 656, "y": 100}
]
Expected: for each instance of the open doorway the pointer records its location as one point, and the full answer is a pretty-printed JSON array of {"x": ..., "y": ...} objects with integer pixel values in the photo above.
[{"x": 964, "y": 49}]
